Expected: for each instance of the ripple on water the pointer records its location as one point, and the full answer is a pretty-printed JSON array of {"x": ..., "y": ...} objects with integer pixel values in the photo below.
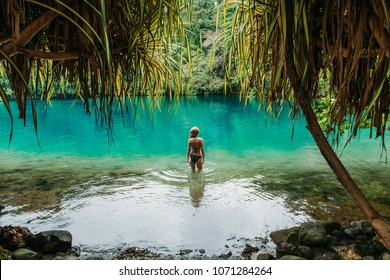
[{"x": 171, "y": 208}]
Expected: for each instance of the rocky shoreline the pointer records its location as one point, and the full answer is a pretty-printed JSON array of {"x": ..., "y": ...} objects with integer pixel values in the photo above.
[{"x": 309, "y": 241}]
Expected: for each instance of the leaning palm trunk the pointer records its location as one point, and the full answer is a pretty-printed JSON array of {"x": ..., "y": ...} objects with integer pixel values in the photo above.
[{"x": 380, "y": 224}]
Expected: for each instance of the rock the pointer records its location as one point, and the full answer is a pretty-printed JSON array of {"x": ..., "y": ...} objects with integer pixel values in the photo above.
[
  {"x": 202, "y": 251},
  {"x": 305, "y": 252},
  {"x": 41, "y": 182},
  {"x": 24, "y": 254},
  {"x": 286, "y": 248},
  {"x": 185, "y": 252},
  {"x": 225, "y": 256},
  {"x": 368, "y": 258},
  {"x": 330, "y": 226},
  {"x": 347, "y": 252},
  {"x": 236, "y": 258},
  {"x": 385, "y": 256},
  {"x": 327, "y": 256},
  {"x": 340, "y": 238},
  {"x": 362, "y": 238},
  {"x": 265, "y": 257},
  {"x": 2, "y": 207},
  {"x": 322, "y": 253},
  {"x": 364, "y": 226},
  {"x": 51, "y": 241},
  {"x": 59, "y": 258},
  {"x": 3, "y": 212},
  {"x": 293, "y": 238},
  {"x": 364, "y": 248},
  {"x": 312, "y": 234},
  {"x": 378, "y": 248},
  {"x": 136, "y": 251},
  {"x": 291, "y": 257},
  {"x": 352, "y": 232},
  {"x": 5, "y": 254},
  {"x": 332, "y": 240},
  {"x": 13, "y": 238},
  {"x": 281, "y": 235},
  {"x": 248, "y": 250}
]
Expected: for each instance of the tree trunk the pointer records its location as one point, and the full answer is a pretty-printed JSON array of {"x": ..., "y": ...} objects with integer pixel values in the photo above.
[{"x": 380, "y": 224}]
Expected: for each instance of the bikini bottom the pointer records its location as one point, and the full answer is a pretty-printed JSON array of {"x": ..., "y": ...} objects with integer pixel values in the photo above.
[{"x": 195, "y": 158}]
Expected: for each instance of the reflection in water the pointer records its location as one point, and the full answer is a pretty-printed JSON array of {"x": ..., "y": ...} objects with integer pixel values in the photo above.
[{"x": 197, "y": 182}]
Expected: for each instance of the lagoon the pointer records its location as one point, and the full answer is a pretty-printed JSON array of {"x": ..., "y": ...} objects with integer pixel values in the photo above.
[{"x": 134, "y": 188}]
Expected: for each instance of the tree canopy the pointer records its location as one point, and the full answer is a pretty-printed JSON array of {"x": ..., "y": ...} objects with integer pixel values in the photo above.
[{"x": 107, "y": 49}]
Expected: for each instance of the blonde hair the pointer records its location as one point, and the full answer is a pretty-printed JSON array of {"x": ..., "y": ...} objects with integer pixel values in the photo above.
[{"x": 194, "y": 132}]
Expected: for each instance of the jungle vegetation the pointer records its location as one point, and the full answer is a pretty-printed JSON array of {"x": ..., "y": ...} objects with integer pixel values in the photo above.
[{"x": 276, "y": 50}]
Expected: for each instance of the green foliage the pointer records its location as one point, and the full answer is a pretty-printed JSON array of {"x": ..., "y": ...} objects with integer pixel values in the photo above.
[
  {"x": 322, "y": 108},
  {"x": 314, "y": 38},
  {"x": 207, "y": 77}
]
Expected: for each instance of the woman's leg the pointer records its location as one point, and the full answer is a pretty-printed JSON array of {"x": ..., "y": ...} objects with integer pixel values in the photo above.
[
  {"x": 192, "y": 164},
  {"x": 199, "y": 164}
]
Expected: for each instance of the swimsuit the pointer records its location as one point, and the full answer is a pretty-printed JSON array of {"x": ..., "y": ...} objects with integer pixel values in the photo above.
[{"x": 195, "y": 158}]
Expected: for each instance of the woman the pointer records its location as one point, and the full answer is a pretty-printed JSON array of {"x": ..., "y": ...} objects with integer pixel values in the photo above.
[{"x": 195, "y": 150}]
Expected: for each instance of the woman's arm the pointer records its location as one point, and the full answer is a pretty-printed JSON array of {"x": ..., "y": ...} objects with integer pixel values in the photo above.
[
  {"x": 188, "y": 150},
  {"x": 202, "y": 150}
]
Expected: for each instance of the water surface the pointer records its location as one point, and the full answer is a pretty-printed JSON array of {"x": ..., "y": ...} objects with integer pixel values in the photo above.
[{"x": 134, "y": 187}]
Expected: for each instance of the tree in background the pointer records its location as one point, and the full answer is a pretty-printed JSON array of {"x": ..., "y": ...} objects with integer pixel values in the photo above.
[
  {"x": 292, "y": 43},
  {"x": 204, "y": 37}
]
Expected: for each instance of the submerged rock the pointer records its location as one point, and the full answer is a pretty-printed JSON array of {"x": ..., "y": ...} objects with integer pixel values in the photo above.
[
  {"x": 248, "y": 250},
  {"x": 185, "y": 252}
]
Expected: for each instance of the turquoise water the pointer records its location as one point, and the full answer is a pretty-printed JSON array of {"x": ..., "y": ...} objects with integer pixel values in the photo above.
[{"x": 136, "y": 187}]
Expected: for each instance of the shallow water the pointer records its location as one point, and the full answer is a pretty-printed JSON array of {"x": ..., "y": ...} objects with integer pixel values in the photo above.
[{"x": 137, "y": 189}]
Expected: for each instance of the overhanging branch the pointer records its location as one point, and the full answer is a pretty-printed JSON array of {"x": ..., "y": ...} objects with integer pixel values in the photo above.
[
  {"x": 49, "y": 55},
  {"x": 28, "y": 33}
]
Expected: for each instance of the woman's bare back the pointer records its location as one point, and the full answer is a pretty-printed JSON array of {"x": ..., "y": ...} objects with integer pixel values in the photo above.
[{"x": 196, "y": 145}]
